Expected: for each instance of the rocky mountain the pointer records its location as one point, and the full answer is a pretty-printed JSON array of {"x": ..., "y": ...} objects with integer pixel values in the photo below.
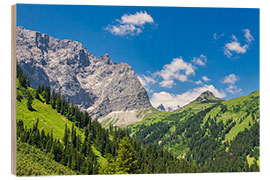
[
  {"x": 161, "y": 107},
  {"x": 207, "y": 96},
  {"x": 94, "y": 83}
]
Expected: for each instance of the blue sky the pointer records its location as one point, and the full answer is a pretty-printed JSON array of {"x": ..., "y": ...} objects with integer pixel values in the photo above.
[{"x": 176, "y": 52}]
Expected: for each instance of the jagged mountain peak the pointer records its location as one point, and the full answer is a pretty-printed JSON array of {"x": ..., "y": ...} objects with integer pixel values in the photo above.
[
  {"x": 161, "y": 107},
  {"x": 96, "y": 84}
]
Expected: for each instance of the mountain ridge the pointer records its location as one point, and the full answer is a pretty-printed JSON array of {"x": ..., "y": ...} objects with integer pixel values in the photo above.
[{"x": 96, "y": 84}]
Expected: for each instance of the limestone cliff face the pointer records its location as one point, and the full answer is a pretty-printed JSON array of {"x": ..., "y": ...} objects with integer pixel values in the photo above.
[{"x": 94, "y": 83}]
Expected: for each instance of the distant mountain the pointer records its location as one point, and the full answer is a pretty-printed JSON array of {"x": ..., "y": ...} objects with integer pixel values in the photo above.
[
  {"x": 94, "y": 83},
  {"x": 207, "y": 97},
  {"x": 161, "y": 107}
]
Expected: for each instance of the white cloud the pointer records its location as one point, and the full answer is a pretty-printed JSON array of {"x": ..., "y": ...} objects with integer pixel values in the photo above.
[
  {"x": 124, "y": 29},
  {"x": 230, "y": 79},
  {"x": 217, "y": 36},
  {"x": 166, "y": 83},
  {"x": 234, "y": 38},
  {"x": 235, "y": 46},
  {"x": 173, "y": 100},
  {"x": 146, "y": 81},
  {"x": 249, "y": 38},
  {"x": 130, "y": 24},
  {"x": 143, "y": 82},
  {"x": 198, "y": 82},
  {"x": 201, "y": 61},
  {"x": 178, "y": 69},
  {"x": 206, "y": 79},
  {"x": 149, "y": 79},
  {"x": 233, "y": 89},
  {"x": 139, "y": 18}
]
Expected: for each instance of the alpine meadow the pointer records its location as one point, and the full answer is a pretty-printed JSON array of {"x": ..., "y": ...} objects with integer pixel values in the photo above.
[{"x": 171, "y": 90}]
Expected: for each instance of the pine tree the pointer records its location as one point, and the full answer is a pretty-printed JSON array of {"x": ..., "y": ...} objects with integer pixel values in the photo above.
[
  {"x": 23, "y": 80},
  {"x": 47, "y": 94},
  {"x": 29, "y": 102},
  {"x": 53, "y": 99},
  {"x": 66, "y": 136},
  {"x": 37, "y": 93},
  {"x": 58, "y": 103},
  {"x": 125, "y": 162},
  {"x": 109, "y": 167},
  {"x": 19, "y": 70}
]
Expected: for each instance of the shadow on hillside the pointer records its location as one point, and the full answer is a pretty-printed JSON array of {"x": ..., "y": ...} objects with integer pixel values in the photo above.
[{"x": 32, "y": 109}]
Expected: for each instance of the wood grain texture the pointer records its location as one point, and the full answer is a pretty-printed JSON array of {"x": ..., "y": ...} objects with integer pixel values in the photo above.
[{"x": 13, "y": 88}]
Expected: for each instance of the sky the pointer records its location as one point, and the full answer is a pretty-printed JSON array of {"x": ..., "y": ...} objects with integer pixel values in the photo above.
[{"x": 176, "y": 52}]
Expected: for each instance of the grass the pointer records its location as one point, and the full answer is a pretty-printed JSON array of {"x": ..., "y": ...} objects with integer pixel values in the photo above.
[
  {"x": 238, "y": 128},
  {"x": 32, "y": 161},
  {"x": 174, "y": 119},
  {"x": 250, "y": 160},
  {"x": 48, "y": 117}
]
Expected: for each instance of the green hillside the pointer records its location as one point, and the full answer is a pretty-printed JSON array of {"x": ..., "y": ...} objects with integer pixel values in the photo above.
[
  {"x": 48, "y": 117},
  {"x": 49, "y": 120},
  {"x": 56, "y": 137},
  {"x": 32, "y": 161},
  {"x": 186, "y": 131}
]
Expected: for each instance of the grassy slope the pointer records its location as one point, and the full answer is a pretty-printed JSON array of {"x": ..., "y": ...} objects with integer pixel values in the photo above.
[
  {"x": 32, "y": 161},
  {"x": 152, "y": 115},
  {"x": 246, "y": 103},
  {"x": 49, "y": 119}
]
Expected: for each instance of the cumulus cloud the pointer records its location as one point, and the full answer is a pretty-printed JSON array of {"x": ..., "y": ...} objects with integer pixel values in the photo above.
[
  {"x": 166, "y": 83},
  {"x": 235, "y": 46},
  {"x": 206, "y": 79},
  {"x": 178, "y": 69},
  {"x": 130, "y": 24},
  {"x": 201, "y": 61},
  {"x": 198, "y": 82},
  {"x": 139, "y": 18},
  {"x": 233, "y": 89},
  {"x": 124, "y": 29},
  {"x": 173, "y": 100},
  {"x": 230, "y": 79}
]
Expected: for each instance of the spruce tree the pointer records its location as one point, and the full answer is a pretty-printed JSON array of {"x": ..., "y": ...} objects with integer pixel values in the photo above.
[
  {"x": 19, "y": 70},
  {"x": 58, "y": 103},
  {"x": 53, "y": 99},
  {"x": 37, "y": 93},
  {"x": 23, "y": 80},
  {"x": 47, "y": 94},
  {"x": 125, "y": 162},
  {"x": 29, "y": 102}
]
